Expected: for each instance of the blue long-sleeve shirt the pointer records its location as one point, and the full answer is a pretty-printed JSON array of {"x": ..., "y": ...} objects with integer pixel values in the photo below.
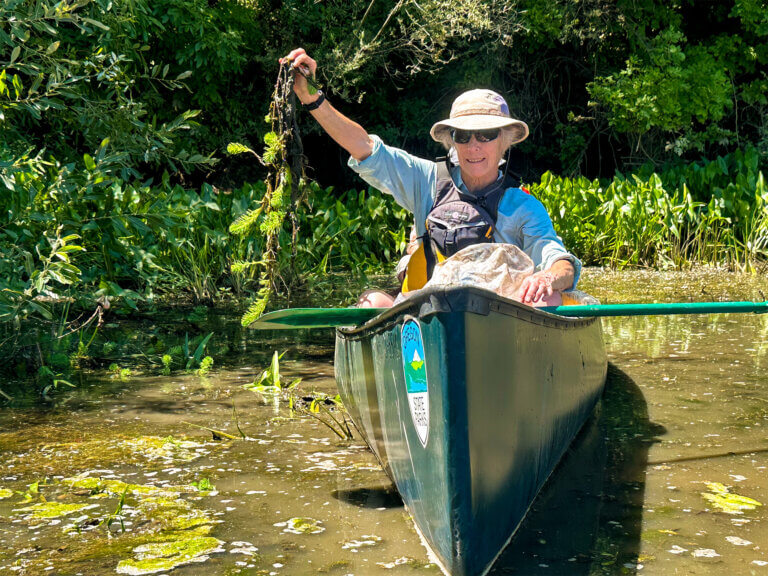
[{"x": 522, "y": 220}]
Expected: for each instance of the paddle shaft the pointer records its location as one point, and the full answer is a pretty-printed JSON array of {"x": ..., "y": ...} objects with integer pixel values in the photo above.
[
  {"x": 330, "y": 317},
  {"x": 657, "y": 309}
]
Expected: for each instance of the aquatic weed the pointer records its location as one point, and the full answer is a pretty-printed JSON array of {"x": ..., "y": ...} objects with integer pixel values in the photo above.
[
  {"x": 205, "y": 366},
  {"x": 320, "y": 409},
  {"x": 285, "y": 190},
  {"x": 271, "y": 383}
]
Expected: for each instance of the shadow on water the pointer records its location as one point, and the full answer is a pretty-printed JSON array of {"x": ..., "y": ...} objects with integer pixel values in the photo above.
[
  {"x": 588, "y": 517},
  {"x": 376, "y": 497}
]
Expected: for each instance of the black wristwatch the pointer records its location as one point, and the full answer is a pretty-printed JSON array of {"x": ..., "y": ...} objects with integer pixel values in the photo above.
[{"x": 316, "y": 104}]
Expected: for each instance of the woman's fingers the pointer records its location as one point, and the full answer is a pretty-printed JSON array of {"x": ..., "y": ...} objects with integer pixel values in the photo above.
[
  {"x": 301, "y": 61},
  {"x": 543, "y": 290},
  {"x": 306, "y": 63},
  {"x": 292, "y": 55},
  {"x": 535, "y": 288},
  {"x": 527, "y": 289}
]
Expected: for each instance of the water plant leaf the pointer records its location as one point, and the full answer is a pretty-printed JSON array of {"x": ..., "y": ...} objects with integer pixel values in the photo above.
[
  {"x": 217, "y": 434},
  {"x": 255, "y": 310},
  {"x": 204, "y": 485},
  {"x": 114, "y": 487},
  {"x": 273, "y": 148},
  {"x": 234, "y": 148},
  {"x": 721, "y": 498},
  {"x": 246, "y": 222},
  {"x": 274, "y": 369},
  {"x": 195, "y": 359}
]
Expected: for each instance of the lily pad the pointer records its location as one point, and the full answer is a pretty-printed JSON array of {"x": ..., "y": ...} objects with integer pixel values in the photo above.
[{"x": 721, "y": 497}]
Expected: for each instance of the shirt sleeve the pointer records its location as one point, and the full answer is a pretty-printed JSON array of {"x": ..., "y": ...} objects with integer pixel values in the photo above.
[
  {"x": 529, "y": 226},
  {"x": 407, "y": 178}
]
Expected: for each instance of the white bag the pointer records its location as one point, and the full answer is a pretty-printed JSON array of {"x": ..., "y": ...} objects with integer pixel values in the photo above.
[{"x": 500, "y": 268}]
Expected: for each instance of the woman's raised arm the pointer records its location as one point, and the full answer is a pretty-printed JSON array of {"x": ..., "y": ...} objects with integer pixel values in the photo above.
[{"x": 347, "y": 133}]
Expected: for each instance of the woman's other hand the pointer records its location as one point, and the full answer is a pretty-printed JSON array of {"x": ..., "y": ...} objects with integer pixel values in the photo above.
[
  {"x": 536, "y": 288},
  {"x": 544, "y": 288}
]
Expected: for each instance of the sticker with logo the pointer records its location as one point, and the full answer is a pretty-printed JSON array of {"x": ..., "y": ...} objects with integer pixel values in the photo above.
[{"x": 415, "y": 371}]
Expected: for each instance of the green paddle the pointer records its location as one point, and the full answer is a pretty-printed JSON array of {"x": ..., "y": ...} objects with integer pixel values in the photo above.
[
  {"x": 330, "y": 317},
  {"x": 314, "y": 318}
]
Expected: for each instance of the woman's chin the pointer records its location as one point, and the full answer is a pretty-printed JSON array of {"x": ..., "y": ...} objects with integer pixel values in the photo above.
[{"x": 478, "y": 171}]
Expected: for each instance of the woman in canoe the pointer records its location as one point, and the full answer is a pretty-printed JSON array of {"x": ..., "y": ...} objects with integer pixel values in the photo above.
[{"x": 444, "y": 199}]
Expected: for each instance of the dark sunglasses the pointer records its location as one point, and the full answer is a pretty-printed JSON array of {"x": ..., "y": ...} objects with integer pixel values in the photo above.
[{"x": 464, "y": 136}]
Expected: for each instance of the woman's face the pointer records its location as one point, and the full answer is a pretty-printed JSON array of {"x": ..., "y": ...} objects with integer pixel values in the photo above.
[{"x": 479, "y": 161}]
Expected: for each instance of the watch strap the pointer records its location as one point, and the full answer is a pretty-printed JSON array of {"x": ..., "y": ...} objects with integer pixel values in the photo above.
[{"x": 316, "y": 104}]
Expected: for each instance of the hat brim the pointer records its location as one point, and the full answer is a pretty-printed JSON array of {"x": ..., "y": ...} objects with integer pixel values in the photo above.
[{"x": 479, "y": 122}]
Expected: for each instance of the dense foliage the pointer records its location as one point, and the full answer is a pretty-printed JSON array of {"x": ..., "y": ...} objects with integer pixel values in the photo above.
[
  {"x": 114, "y": 187},
  {"x": 715, "y": 211}
]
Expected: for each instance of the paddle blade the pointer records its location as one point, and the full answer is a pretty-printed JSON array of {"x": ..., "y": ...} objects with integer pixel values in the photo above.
[{"x": 295, "y": 318}]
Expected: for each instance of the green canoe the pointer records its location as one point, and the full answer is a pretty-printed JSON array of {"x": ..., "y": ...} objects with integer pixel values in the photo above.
[{"x": 469, "y": 401}]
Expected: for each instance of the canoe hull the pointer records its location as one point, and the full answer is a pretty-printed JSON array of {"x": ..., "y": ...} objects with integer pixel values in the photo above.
[{"x": 470, "y": 436}]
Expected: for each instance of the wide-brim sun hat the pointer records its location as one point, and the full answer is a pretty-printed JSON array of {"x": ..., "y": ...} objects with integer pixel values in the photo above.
[{"x": 480, "y": 109}]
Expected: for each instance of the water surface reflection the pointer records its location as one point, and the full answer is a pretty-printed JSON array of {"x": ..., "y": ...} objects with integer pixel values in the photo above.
[{"x": 686, "y": 406}]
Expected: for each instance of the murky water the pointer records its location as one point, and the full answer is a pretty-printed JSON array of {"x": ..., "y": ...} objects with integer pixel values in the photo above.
[{"x": 122, "y": 465}]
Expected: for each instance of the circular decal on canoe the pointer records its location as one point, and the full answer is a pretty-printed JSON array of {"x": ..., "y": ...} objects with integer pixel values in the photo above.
[{"x": 415, "y": 371}]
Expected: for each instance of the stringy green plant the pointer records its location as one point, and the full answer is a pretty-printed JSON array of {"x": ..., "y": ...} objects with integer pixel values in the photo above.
[
  {"x": 283, "y": 157},
  {"x": 320, "y": 408}
]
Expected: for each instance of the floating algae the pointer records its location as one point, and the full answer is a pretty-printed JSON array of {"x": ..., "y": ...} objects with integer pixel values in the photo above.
[
  {"x": 168, "y": 449},
  {"x": 170, "y": 531},
  {"x": 5, "y": 493},
  {"x": 180, "y": 532},
  {"x": 175, "y": 514},
  {"x": 117, "y": 487},
  {"x": 184, "y": 548},
  {"x": 301, "y": 526},
  {"x": 140, "y": 450},
  {"x": 722, "y": 498},
  {"x": 44, "y": 510}
]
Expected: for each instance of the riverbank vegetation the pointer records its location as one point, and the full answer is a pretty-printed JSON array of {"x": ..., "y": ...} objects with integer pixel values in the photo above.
[{"x": 648, "y": 145}]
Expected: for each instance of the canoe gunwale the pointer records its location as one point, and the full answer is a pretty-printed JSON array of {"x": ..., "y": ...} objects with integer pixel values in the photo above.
[{"x": 474, "y": 300}]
